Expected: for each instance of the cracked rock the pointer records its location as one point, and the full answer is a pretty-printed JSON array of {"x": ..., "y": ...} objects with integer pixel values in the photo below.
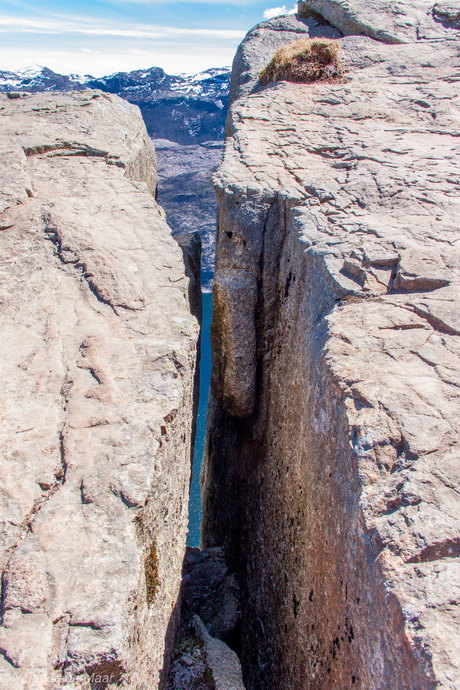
[
  {"x": 98, "y": 366},
  {"x": 333, "y": 436}
]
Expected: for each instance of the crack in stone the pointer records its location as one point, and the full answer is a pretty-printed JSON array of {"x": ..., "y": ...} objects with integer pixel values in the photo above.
[
  {"x": 27, "y": 523},
  {"x": 434, "y": 321}
]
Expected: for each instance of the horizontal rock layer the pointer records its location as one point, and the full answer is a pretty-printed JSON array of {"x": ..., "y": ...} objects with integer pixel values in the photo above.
[
  {"x": 98, "y": 356},
  {"x": 331, "y": 466}
]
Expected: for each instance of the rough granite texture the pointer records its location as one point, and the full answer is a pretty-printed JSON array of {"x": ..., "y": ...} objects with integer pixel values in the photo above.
[
  {"x": 97, "y": 356},
  {"x": 222, "y": 661},
  {"x": 390, "y": 22},
  {"x": 331, "y": 473}
]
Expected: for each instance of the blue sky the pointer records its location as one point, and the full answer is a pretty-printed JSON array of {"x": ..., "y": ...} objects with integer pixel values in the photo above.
[{"x": 104, "y": 36}]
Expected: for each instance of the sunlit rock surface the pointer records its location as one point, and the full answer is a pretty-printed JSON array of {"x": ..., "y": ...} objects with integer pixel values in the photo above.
[
  {"x": 97, "y": 356},
  {"x": 331, "y": 470},
  {"x": 390, "y": 22}
]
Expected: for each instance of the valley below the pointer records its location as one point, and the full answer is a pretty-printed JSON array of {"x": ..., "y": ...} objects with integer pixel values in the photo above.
[{"x": 186, "y": 194}]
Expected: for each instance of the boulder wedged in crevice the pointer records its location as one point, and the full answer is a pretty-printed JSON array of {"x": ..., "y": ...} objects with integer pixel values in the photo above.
[
  {"x": 208, "y": 640},
  {"x": 212, "y": 592},
  {"x": 223, "y": 662}
]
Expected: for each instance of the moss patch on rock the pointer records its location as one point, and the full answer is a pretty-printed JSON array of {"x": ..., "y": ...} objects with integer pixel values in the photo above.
[{"x": 152, "y": 579}]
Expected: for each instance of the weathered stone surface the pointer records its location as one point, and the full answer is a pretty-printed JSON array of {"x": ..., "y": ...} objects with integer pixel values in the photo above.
[
  {"x": 98, "y": 354},
  {"x": 202, "y": 662},
  {"x": 223, "y": 662},
  {"x": 333, "y": 428},
  {"x": 212, "y": 593},
  {"x": 262, "y": 42},
  {"x": 189, "y": 669},
  {"x": 386, "y": 21}
]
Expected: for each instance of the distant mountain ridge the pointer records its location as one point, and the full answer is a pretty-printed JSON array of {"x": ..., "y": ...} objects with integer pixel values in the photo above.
[{"x": 184, "y": 109}]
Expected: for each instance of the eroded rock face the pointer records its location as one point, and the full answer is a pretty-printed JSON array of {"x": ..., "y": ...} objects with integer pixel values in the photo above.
[
  {"x": 386, "y": 21},
  {"x": 98, "y": 355},
  {"x": 331, "y": 469}
]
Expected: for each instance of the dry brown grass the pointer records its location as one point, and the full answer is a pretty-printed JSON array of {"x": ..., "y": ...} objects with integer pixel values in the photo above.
[{"x": 304, "y": 61}]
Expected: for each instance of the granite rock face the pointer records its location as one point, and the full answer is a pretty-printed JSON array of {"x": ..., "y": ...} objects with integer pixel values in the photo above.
[
  {"x": 262, "y": 42},
  {"x": 223, "y": 662},
  {"x": 331, "y": 467},
  {"x": 98, "y": 355},
  {"x": 390, "y": 22}
]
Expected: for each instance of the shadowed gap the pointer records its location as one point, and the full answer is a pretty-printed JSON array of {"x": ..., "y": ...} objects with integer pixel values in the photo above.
[{"x": 194, "y": 514}]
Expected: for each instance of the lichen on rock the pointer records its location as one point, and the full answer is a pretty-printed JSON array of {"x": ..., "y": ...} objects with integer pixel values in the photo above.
[{"x": 152, "y": 579}]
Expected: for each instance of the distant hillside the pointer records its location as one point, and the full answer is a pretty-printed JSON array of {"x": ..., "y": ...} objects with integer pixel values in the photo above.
[
  {"x": 184, "y": 109},
  {"x": 186, "y": 193}
]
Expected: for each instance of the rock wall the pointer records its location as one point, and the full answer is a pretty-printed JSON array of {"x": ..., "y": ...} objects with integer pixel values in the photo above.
[
  {"x": 98, "y": 354},
  {"x": 331, "y": 466},
  {"x": 386, "y": 21}
]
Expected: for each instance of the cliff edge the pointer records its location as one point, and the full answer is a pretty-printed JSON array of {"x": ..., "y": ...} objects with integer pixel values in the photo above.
[
  {"x": 331, "y": 466},
  {"x": 98, "y": 356}
]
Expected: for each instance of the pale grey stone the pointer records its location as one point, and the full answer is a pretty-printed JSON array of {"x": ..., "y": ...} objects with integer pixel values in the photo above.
[
  {"x": 262, "y": 42},
  {"x": 329, "y": 473},
  {"x": 386, "y": 21},
  {"x": 97, "y": 355},
  {"x": 222, "y": 661}
]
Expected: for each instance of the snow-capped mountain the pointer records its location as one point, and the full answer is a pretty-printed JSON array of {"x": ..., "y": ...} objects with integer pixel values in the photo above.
[
  {"x": 41, "y": 79},
  {"x": 184, "y": 109},
  {"x": 184, "y": 115}
]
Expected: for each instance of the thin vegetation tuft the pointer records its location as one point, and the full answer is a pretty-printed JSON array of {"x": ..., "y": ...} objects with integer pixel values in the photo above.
[
  {"x": 304, "y": 61},
  {"x": 152, "y": 579}
]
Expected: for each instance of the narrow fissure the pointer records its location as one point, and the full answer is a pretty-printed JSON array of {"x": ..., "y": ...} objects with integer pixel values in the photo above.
[
  {"x": 194, "y": 519},
  {"x": 324, "y": 553},
  {"x": 209, "y": 630},
  {"x": 185, "y": 193}
]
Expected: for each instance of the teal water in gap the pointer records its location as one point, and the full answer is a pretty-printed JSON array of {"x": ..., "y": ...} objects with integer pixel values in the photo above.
[{"x": 194, "y": 514}]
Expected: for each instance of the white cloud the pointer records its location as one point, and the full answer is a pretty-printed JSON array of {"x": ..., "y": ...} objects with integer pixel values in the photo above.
[
  {"x": 40, "y": 26},
  {"x": 85, "y": 45},
  {"x": 278, "y": 11}
]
